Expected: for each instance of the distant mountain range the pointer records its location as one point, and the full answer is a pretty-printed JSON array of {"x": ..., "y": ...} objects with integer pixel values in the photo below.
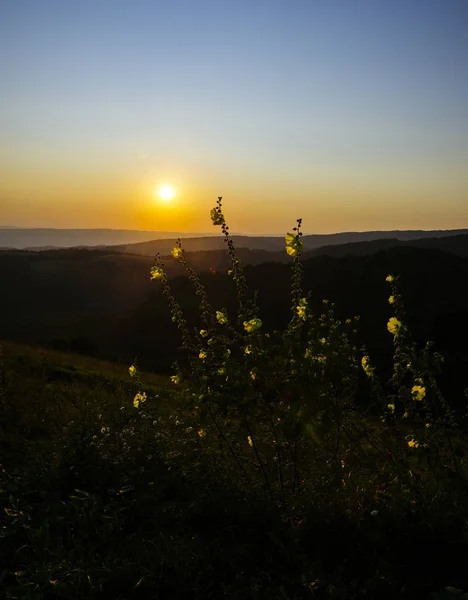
[
  {"x": 276, "y": 243},
  {"x": 148, "y": 243},
  {"x": 44, "y": 239}
]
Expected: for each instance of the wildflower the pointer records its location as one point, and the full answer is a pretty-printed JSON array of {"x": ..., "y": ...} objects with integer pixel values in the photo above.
[
  {"x": 405, "y": 414},
  {"x": 217, "y": 217},
  {"x": 348, "y": 321},
  {"x": 412, "y": 443},
  {"x": 229, "y": 272},
  {"x": 249, "y": 439},
  {"x": 367, "y": 368},
  {"x": 252, "y": 325},
  {"x": 204, "y": 333},
  {"x": 308, "y": 353},
  {"x": 221, "y": 317},
  {"x": 391, "y": 300},
  {"x": 394, "y": 326},
  {"x": 221, "y": 371},
  {"x": 227, "y": 354},
  {"x": 390, "y": 279},
  {"x": 293, "y": 244},
  {"x": 156, "y": 273},
  {"x": 202, "y": 355},
  {"x": 175, "y": 379},
  {"x": 140, "y": 397},
  {"x": 418, "y": 392},
  {"x": 202, "y": 433},
  {"x": 391, "y": 407},
  {"x": 320, "y": 358},
  {"x": 323, "y": 341},
  {"x": 177, "y": 252},
  {"x": 132, "y": 370},
  {"x": 248, "y": 350},
  {"x": 428, "y": 425},
  {"x": 302, "y": 309},
  {"x": 253, "y": 374}
]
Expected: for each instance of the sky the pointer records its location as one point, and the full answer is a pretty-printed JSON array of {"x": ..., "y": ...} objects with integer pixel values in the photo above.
[{"x": 350, "y": 114}]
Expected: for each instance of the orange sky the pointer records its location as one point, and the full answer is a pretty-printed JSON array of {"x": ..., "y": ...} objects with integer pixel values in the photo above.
[{"x": 352, "y": 116}]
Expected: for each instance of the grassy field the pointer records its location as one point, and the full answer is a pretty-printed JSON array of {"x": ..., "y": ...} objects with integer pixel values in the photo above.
[{"x": 103, "y": 500}]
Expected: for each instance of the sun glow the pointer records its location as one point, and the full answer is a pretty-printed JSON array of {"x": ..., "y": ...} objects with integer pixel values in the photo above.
[{"x": 166, "y": 193}]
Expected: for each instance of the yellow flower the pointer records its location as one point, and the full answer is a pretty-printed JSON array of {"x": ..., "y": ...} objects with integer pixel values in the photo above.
[
  {"x": 405, "y": 414},
  {"x": 412, "y": 443},
  {"x": 308, "y": 353},
  {"x": 293, "y": 244},
  {"x": 394, "y": 326},
  {"x": 367, "y": 368},
  {"x": 428, "y": 425},
  {"x": 248, "y": 350},
  {"x": 140, "y": 397},
  {"x": 175, "y": 379},
  {"x": 323, "y": 341},
  {"x": 391, "y": 300},
  {"x": 177, "y": 252},
  {"x": 221, "y": 317},
  {"x": 229, "y": 272},
  {"x": 249, "y": 439},
  {"x": 391, "y": 407},
  {"x": 227, "y": 354},
  {"x": 252, "y": 325},
  {"x": 156, "y": 273},
  {"x": 204, "y": 333},
  {"x": 202, "y": 355},
  {"x": 321, "y": 358},
  {"x": 221, "y": 371},
  {"x": 418, "y": 392},
  {"x": 202, "y": 433},
  {"x": 253, "y": 374},
  {"x": 132, "y": 370},
  {"x": 302, "y": 309},
  {"x": 390, "y": 279},
  {"x": 217, "y": 217}
]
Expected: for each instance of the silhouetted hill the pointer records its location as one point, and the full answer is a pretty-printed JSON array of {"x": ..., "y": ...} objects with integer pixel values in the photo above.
[
  {"x": 456, "y": 244},
  {"x": 276, "y": 243},
  {"x": 103, "y": 303}
]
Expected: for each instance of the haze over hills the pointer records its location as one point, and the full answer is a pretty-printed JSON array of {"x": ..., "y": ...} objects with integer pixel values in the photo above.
[
  {"x": 19, "y": 238},
  {"x": 276, "y": 243},
  {"x": 151, "y": 242}
]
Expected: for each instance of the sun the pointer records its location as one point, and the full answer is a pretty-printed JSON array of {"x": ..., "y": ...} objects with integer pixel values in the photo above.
[{"x": 166, "y": 193}]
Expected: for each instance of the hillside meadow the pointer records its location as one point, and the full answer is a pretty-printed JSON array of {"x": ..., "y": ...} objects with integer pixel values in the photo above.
[{"x": 298, "y": 448}]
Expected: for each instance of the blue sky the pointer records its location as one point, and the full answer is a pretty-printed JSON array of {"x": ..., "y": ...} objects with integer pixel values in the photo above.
[{"x": 352, "y": 114}]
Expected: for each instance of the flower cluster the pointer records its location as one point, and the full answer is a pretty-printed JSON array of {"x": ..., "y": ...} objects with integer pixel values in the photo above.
[
  {"x": 293, "y": 244},
  {"x": 368, "y": 369},
  {"x": 156, "y": 273},
  {"x": 394, "y": 326},
  {"x": 177, "y": 252},
  {"x": 221, "y": 317},
  {"x": 418, "y": 392},
  {"x": 252, "y": 325},
  {"x": 139, "y": 398},
  {"x": 302, "y": 309},
  {"x": 217, "y": 217}
]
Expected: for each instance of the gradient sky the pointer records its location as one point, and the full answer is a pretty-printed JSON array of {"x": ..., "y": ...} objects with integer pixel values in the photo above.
[{"x": 352, "y": 114}]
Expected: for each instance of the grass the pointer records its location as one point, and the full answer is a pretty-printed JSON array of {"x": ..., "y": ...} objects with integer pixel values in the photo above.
[{"x": 100, "y": 500}]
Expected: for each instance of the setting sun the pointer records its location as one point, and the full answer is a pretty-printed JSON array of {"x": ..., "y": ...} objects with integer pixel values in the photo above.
[{"x": 166, "y": 193}]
